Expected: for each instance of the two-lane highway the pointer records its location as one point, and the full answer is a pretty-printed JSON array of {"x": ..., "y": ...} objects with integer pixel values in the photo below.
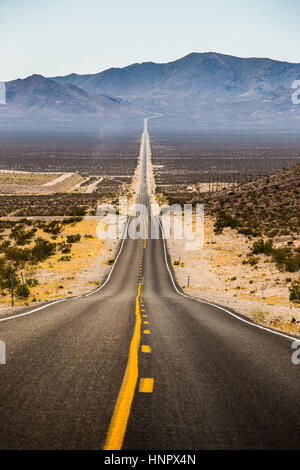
[{"x": 137, "y": 365}]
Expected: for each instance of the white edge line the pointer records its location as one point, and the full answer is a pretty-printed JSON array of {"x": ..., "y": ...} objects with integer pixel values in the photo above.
[
  {"x": 291, "y": 338},
  {"x": 70, "y": 298},
  {"x": 32, "y": 311},
  {"x": 117, "y": 257},
  {"x": 125, "y": 234}
]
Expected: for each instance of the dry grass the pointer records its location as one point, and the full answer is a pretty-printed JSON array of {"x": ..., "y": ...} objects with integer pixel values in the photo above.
[
  {"x": 60, "y": 278},
  {"x": 218, "y": 275},
  {"x": 27, "y": 179},
  {"x": 267, "y": 206}
]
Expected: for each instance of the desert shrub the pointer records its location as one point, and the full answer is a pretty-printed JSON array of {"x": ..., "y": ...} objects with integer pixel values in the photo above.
[
  {"x": 225, "y": 220},
  {"x": 73, "y": 238},
  {"x": 65, "y": 258},
  {"x": 4, "y": 245},
  {"x": 110, "y": 261},
  {"x": 21, "y": 236},
  {"x": 295, "y": 291},
  {"x": 260, "y": 246},
  {"x": 286, "y": 260},
  {"x": 5, "y": 275},
  {"x": 176, "y": 262},
  {"x": 53, "y": 227},
  {"x": 32, "y": 282},
  {"x": 78, "y": 212},
  {"x": 292, "y": 263},
  {"x": 22, "y": 291},
  {"x": 279, "y": 256},
  {"x": 258, "y": 316},
  {"x": 72, "y": 220},
  {"x": 64, "y": 247},
  {"x": 18, "y": 255},
  {"x": 252, "y": 260},
  {"x": 42, "y": 249}
]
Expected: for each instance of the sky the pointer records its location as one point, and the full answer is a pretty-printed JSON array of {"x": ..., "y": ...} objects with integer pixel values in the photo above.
[{"x": 58, "y": 37}]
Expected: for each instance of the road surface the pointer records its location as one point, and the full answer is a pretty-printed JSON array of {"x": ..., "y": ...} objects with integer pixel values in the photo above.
[{"x": 137, "y": 365}]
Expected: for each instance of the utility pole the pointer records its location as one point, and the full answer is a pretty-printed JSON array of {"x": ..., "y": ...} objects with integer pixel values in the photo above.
[
  {"x": 12, "y": 286},
  {"x": 188, "y": 283}
]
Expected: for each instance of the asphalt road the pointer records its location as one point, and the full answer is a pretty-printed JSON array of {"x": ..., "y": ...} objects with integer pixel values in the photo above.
[{"x": 89, "y": 373}]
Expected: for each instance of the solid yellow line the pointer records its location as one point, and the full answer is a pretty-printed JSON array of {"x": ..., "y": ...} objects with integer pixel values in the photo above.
[
  {"x": 146, "y": 385},
  {"x": 118, "y": 424}
]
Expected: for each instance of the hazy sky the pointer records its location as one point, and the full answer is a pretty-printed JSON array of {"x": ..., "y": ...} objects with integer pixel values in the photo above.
[{"x": 57, "y": 37}]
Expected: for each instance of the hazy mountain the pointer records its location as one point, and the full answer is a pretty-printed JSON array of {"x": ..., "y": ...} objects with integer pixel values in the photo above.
[
  {"x": 196, "y": 74},
  {"x": 209, "y": 87},
  {"x": 200, "y": 90},
  {"x": 37, "y": 93},
  {"x": 38, "y": 100}
]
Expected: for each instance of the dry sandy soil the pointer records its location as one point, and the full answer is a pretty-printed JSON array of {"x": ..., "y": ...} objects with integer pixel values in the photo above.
[
  {"x": 17, "y": 182},
  {"x": 88, "y": 266},
  {"x": 85, "y": 271},
  {"x": 218, "y": 275}
]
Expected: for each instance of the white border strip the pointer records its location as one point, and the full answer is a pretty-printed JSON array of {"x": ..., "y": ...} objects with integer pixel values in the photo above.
[
  {"x": 291, "y": 338},
  {"x": 32, "y": 311},
  {"x": 117, "y": 257},
  {"x": 71, "y": 298}
]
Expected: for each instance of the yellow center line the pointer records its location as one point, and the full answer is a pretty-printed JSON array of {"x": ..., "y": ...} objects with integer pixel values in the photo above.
[
  {"x": 146, "y": 348},
  {"x": 118, "y": 424},
  {"x": 146, "y": 385}
]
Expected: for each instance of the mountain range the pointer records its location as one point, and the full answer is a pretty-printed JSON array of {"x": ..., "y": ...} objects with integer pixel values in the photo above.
[{"x": 201, "y": 89}]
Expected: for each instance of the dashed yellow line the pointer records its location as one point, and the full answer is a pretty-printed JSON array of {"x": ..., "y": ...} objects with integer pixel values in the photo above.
[
  {"x": 118, "y": 424},
  {"x": 146, "y": 385}
]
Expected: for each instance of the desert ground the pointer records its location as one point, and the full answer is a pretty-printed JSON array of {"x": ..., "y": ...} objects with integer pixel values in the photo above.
[
  {"x": 219, "y": 272},
  {"x": 218, "y": 275}
]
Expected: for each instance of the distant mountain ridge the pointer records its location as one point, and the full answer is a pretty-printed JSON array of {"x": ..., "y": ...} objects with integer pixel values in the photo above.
[
  {"x": 200, "y": 71},
  {"x": 38, "y": 92},
  {"x": 200, "y": 89}
]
